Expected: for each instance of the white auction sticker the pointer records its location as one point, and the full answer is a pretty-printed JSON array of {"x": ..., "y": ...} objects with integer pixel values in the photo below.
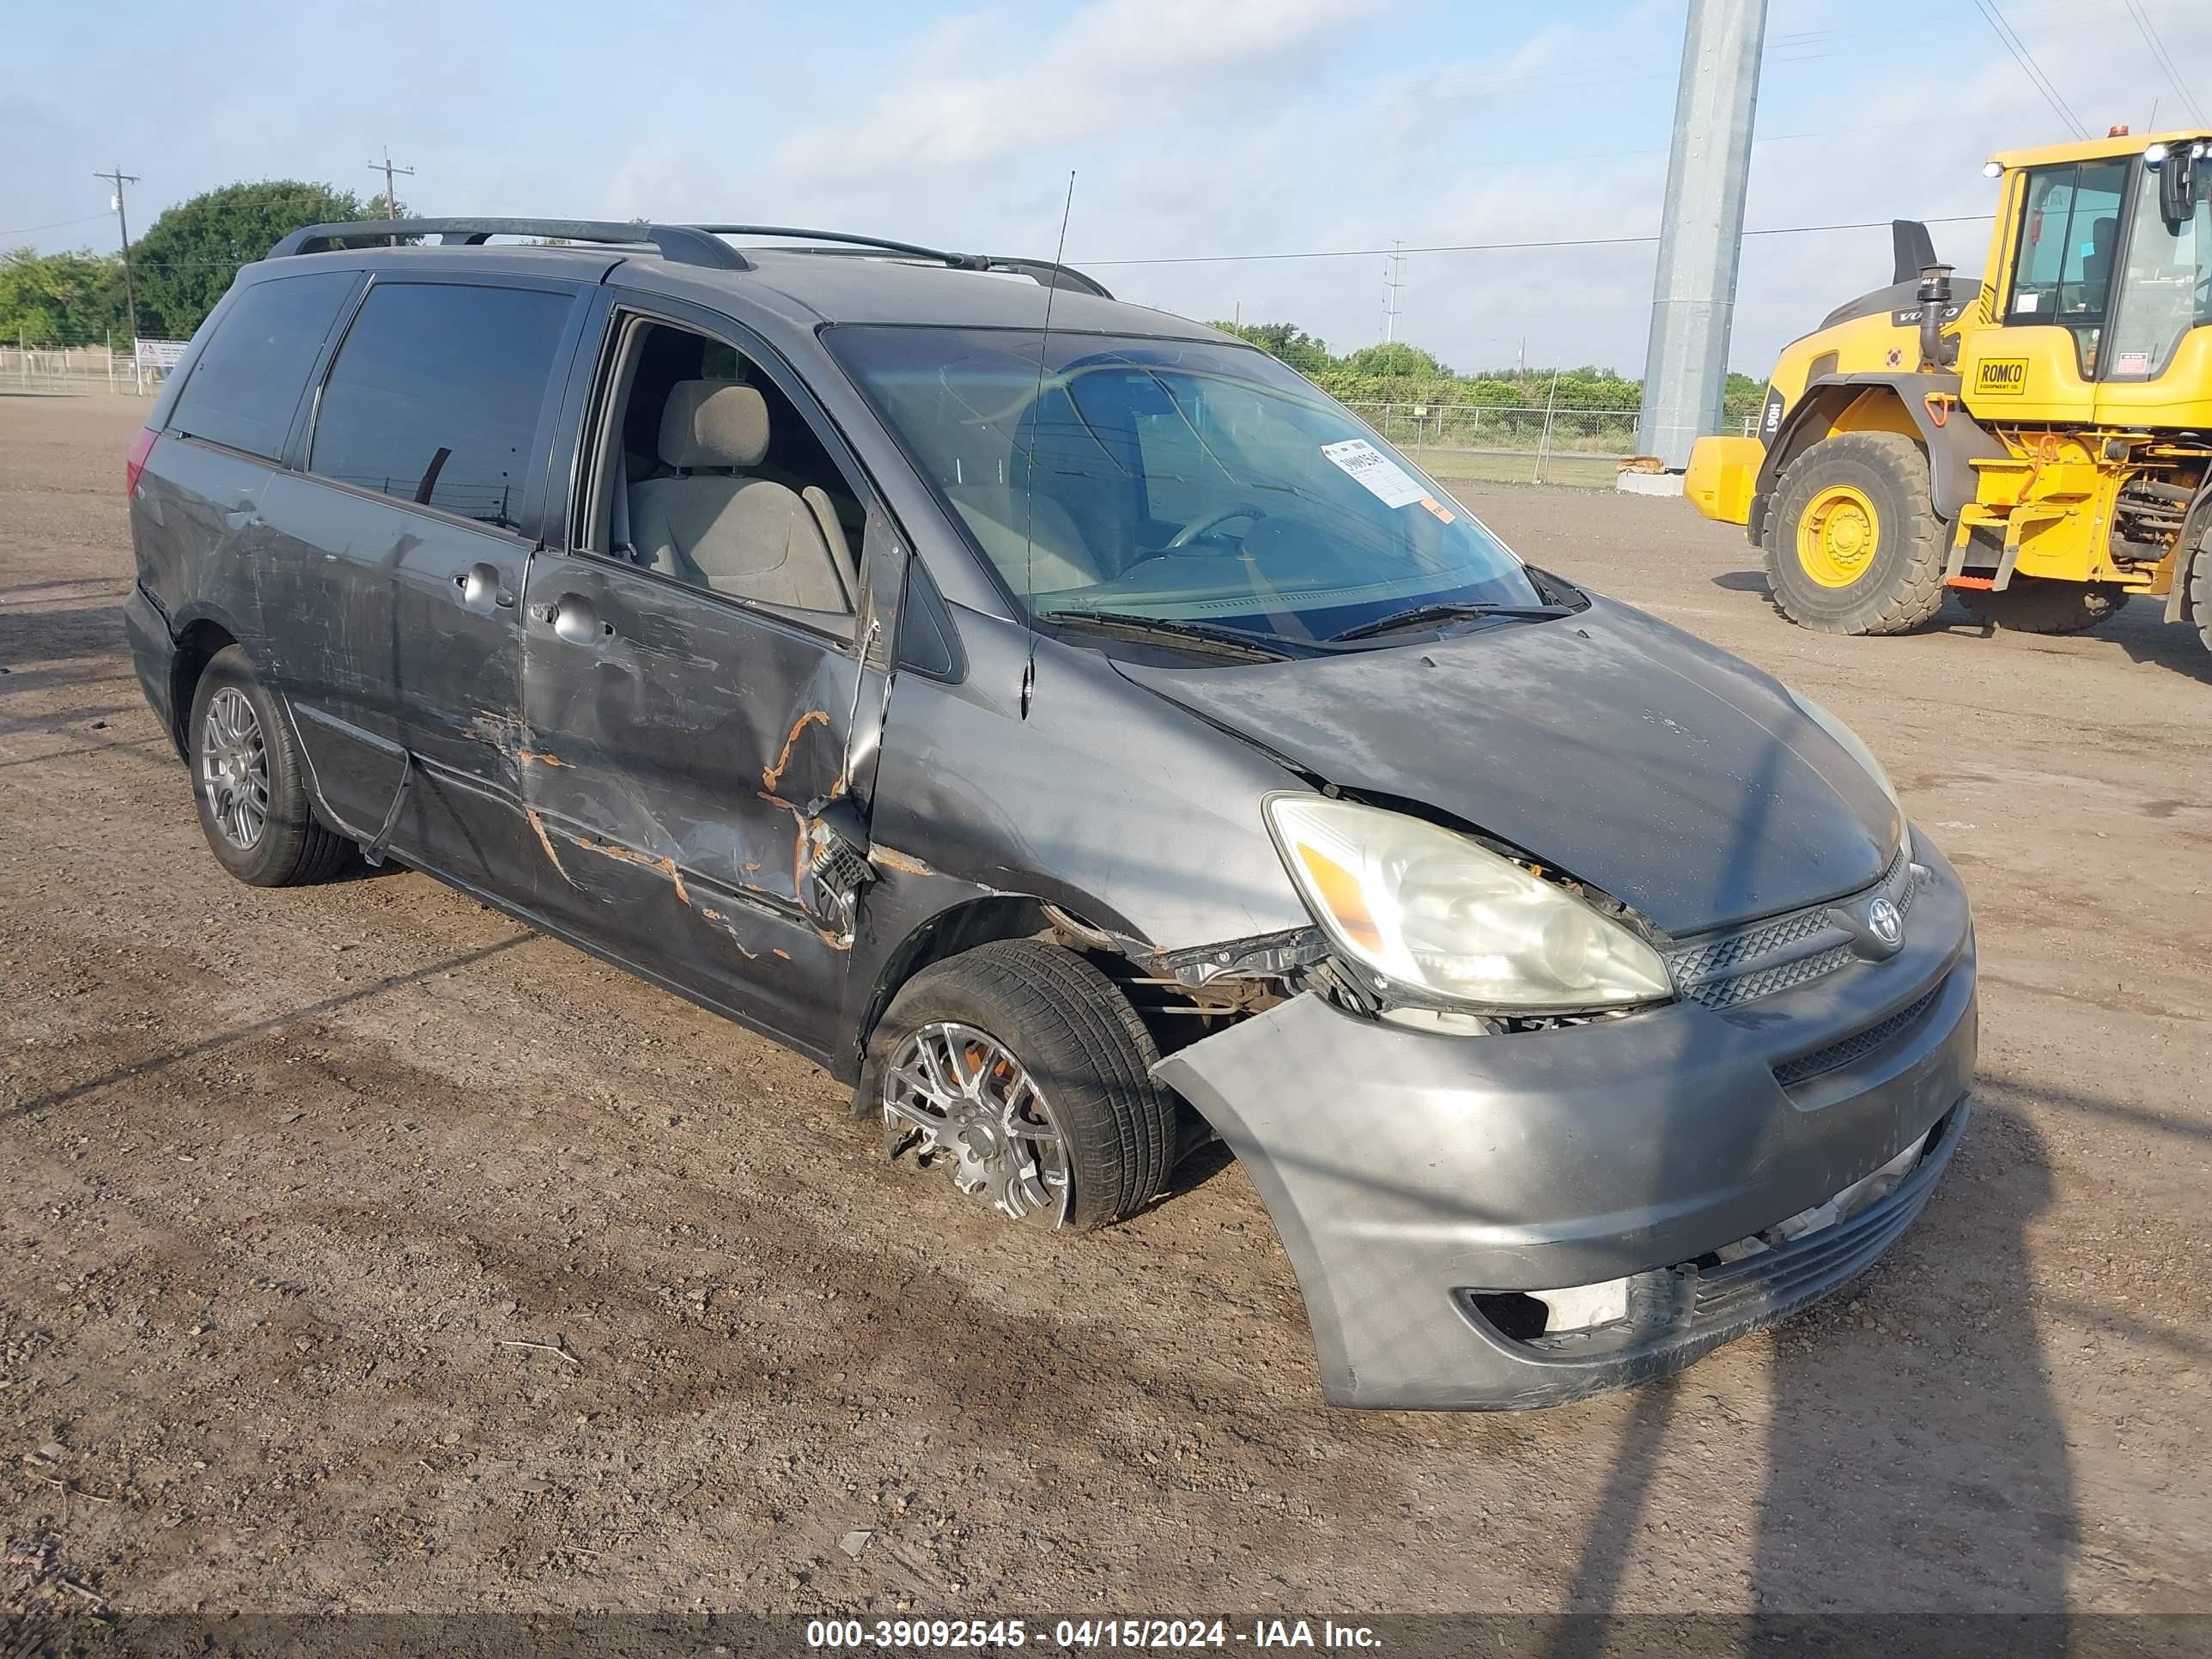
[{"x": 1382, "y": 477}]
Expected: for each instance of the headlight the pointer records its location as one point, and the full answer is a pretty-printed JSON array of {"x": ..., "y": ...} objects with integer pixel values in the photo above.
[
  {"x": 1440, "y": 915},
  {"x": 1849, "y": 741}
]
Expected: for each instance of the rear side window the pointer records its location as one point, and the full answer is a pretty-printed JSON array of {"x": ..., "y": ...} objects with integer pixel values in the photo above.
[
  {"x": 435, "y": 395},
  {"x": 246, "y": 384}
]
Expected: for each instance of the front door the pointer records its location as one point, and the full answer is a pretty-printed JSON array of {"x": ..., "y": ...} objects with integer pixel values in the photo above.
[{"x": 688, "y": 724}]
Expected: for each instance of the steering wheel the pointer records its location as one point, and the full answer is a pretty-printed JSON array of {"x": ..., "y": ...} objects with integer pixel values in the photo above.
[{"x": 1219, "y": 516}]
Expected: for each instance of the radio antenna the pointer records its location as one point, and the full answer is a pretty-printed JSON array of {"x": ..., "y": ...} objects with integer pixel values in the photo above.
[{"x": 1029, "y": 498}]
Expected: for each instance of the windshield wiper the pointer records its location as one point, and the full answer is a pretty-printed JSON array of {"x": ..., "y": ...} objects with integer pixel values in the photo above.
[
  {"x": 1253, "y": 645},
  {"x": 1421, "y": 614}
]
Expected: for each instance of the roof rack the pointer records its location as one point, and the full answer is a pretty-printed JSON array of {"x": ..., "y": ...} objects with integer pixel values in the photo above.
[
  {"x": 1044, "y": 271},
  {"x": 684, "y": 244},
  {"x": 691, "y": 245}
]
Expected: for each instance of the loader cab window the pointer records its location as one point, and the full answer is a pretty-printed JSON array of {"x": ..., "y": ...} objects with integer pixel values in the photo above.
[
  {"x": 2165, "y": 286},
  {"x": 2068, "y": 250}
]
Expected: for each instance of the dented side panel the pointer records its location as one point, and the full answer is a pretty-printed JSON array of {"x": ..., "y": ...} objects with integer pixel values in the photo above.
[
  {"x": 673, "y": 749},
  {"x": 393, "y": 643}
]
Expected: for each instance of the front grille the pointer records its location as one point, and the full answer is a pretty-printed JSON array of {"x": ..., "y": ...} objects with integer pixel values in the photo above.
[
  {"x": 1785, "y": 951},
  {"x": 1857, "y": 1046},
  {"x": 1765, "y": 981},
  {"x": 1708, "y": 960}
]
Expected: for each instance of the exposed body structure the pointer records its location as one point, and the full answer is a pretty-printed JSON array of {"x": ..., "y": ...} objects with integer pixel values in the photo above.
[{"x": 2037, "y": 441}]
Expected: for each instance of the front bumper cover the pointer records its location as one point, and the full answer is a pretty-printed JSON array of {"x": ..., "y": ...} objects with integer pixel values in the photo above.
[{"x": 1405, "y": 1171}]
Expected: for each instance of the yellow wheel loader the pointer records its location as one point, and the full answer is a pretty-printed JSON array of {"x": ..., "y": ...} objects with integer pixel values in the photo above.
[{"x": 2038, "y": 442}]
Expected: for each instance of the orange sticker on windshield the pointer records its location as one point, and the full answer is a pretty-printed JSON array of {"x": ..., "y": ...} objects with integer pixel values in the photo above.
[{"x": 1437, "y": 507}]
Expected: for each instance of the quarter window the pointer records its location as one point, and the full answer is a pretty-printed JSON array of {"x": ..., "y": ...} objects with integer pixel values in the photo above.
[
  {"x": 435, "y": 395},
  {"x": 246, "y": 386}
]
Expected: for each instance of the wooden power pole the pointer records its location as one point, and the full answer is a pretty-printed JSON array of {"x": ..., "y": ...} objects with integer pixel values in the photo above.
[
  {"x": 119, "y": 178},
  {"x": 391, "y": 195}
]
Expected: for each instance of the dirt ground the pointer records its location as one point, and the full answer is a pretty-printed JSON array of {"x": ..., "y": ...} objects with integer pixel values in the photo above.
[{"x": 292, "y": 1183}]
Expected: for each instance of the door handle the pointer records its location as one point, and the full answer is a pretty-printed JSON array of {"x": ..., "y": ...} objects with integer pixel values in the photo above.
[
  {"x": 575, "y": 619},
  {"x": 480, "y": 586}
]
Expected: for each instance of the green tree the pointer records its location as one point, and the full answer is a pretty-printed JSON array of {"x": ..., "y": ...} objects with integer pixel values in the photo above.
[
  {"x": 1285, "y": 341},
  {"x": 59, "y": 299},
  {"x": 186, "y": 259},
  {"x": 1398, "y": 360},
  {"x": 1744, "y": 397}
]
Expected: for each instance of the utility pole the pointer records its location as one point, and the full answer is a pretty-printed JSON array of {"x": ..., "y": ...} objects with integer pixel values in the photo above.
[
  {"x": 1393, "y": 278},
  {"x": 119, "y": 179},
  {"x": 391, "y": 195},
  {"x": 1701, "y": 232}
]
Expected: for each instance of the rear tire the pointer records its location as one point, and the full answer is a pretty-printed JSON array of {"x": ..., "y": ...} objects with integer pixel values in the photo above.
[
  {"x": 1071, "y": 1029},
  {"x": 248, "y": 782},
  {"x": 1852, "y": 542},
  {"x": 2031, "y": 604}
]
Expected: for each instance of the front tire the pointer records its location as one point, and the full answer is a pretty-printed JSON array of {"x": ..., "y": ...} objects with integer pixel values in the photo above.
[
  {"x": 2200, "y": 591},
  {"x": 1852, "y": 542},
  {"x": 248, "y": 782},
  {"x": 1027, "y": 1073},
  {"x": 2031, "y": 604}
]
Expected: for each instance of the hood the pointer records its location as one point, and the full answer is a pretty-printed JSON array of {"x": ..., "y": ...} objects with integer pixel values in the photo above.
[{"x": 1680, "y": 778}]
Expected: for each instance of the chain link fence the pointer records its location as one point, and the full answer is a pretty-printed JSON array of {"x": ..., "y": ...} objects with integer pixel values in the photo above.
[
  {"x": 1481, "y": 443},
  {"x": 83, "y": 368}
]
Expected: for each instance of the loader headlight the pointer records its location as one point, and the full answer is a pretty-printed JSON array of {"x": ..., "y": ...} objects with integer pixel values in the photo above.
[
  {"x": 1440, "y": 915},
  {"x": 1849, "y": 741}
]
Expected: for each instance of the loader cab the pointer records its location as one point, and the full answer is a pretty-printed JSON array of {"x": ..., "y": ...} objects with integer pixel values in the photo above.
[{"x": 2102, "y": 259}]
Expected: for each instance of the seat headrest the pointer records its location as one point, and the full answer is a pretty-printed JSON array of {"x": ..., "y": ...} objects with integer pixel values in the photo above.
[{"x": 714, "y": 423}]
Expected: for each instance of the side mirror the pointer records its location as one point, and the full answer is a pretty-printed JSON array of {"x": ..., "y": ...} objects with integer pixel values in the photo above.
[{"x": 2178, "y": 182}]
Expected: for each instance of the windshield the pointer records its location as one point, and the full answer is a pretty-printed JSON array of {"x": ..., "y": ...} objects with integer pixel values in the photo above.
[
  {"x": 1178, "y": 480},
  {"x": 2166, "y": 289}
]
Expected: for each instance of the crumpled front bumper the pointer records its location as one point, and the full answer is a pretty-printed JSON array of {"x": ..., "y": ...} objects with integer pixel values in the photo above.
[{"x": 1406, "y": 1171}]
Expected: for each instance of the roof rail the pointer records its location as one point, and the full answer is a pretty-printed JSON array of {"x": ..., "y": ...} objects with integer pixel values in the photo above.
[
  {"x": 683, "y": 244},
  {"x": 1043, "y": 270},
  {"x": 691, "y": 245}
]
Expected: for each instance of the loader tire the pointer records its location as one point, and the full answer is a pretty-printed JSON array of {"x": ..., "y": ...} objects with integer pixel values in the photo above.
[
  {"x": 2200, "y": 592},
  {"x": 1853, "y": 545},
  {"x": 2031, "y": 604}
]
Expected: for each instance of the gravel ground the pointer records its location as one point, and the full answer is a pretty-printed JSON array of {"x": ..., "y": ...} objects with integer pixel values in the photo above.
[{"x": 363, "y": 1250}]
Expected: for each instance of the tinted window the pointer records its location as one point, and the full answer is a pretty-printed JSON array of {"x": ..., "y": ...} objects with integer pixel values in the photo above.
[
  {"x": 249, "y": 377},
  {"x": 435, "y": 395}
]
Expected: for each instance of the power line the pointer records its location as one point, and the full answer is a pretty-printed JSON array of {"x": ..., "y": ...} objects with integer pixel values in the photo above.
[
  {"x": 2014, "y": 45},
  {"x": 2164, "y": 59},
  {"x": 1399, "y": 249},
  {"x": 119, "y": 178},
  {"x": 57, "y": 224}
]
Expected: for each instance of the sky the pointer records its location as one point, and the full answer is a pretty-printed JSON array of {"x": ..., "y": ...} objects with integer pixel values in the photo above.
[{"x": 1194, "y": 129}]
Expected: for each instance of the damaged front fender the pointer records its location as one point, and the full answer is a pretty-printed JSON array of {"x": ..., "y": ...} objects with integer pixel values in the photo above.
[{"x": 1403, "y": 1169}]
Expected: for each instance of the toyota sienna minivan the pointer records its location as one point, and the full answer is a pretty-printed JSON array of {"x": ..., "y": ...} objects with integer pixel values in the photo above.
[{"x": 1070, "y": 728}]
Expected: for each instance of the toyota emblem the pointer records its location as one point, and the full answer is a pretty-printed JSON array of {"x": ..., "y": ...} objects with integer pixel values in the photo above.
[{"x": 1886, "y": 921}]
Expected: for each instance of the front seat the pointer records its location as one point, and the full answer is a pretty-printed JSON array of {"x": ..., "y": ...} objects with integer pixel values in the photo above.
[{"x": 750, "y": 537}]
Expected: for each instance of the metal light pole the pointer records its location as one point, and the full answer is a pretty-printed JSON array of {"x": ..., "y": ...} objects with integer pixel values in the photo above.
[{"x": 1700, "y": 236}]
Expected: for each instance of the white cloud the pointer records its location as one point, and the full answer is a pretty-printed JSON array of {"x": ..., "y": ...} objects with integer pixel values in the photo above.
[{"x": 1117, "y": 66}]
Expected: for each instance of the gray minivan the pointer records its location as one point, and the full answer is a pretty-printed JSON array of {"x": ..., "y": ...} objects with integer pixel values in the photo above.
[{"x": 1067, "y": 725}]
